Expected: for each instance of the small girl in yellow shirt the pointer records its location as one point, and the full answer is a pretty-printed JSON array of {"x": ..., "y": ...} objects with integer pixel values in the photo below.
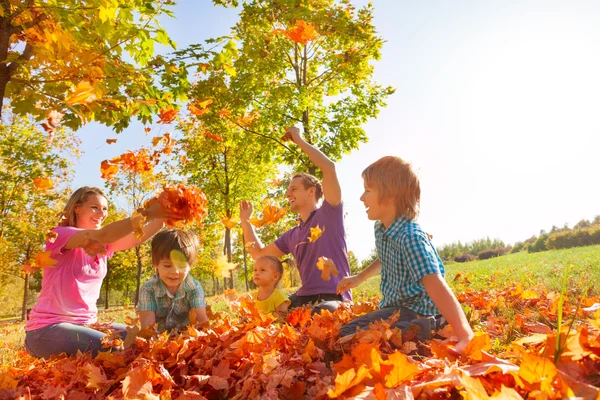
[{"x": 268, "y": 271}]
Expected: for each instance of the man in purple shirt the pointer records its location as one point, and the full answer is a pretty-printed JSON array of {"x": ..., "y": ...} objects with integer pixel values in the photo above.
[{"x": 304, "y": 194}]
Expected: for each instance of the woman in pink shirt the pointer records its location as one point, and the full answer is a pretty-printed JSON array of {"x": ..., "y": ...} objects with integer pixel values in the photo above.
[{"x": 66, "y": 306}]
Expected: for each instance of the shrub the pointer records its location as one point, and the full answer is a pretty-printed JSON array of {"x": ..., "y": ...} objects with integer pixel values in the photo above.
[
  {"x": 575, "y": 238},
  {"x": 487, "y": 254},
  {"x": 539, "y": 244},
  {"x": 464, "y": 258},
  {"x": 519, "y": 246}
]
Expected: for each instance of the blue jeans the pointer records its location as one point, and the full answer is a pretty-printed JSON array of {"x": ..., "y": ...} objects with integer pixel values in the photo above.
[
  {"x": 67, "y": 338},
  {"x": 323, "y": 301},
  {"x": 426, "y": 324}
]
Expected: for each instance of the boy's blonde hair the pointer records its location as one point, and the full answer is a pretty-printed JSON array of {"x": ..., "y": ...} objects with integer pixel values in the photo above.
[
  {"x": 309, "y": 181},
  {"x": 276, "y": 263},
  {"x": 395, "y": 179},
  {"x": 174, "y": 239},
  {"x": 68, "y": 217}
]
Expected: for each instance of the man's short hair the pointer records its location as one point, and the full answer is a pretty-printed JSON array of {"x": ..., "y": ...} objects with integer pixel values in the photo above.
[
  {"x": 395, "y": 179},
  {"x": 310, "y": 181}
]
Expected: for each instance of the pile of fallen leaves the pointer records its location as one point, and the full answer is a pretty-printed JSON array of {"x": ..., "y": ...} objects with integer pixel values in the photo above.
[{"x": 246, "y": 355}]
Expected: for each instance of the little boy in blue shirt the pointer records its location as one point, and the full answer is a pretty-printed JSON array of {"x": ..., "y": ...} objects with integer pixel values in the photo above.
[
  {"x": 412, "y": 273},
  {"x": 169, "y": 296}
]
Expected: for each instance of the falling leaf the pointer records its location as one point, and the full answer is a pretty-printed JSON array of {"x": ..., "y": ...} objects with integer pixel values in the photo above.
[
  {"x": 327, "y": 268},
  {"x": 185, "y": 204},
  {"x": 315, "y": 233},
  {"x": 111, "y": 141},
  {"x": 43, "y": 183},
  {"x": 179, "y": 260},
  {"x": 108, "y": 170},
  {"x": 222, "y": 266},
  {"x": 137, "y": 223},
  {"x": 167, "y": 115},
  {"x": 83, "y": 93},
  {"x": 156, "y": 140},
  {"x": 44, "y": 260},
  {"x": 230, "y": 223},
  {"x": 51, "y": 236},
  {"x": 271, "y": 213},
  {"x": 147, "y": 129}
]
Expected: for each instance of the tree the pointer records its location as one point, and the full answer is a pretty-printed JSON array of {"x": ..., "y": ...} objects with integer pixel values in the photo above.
[
  {"x": 309, "y": 63},
  {"x": 94, "y": 59},
  {"x": 32, "y": 171},
  {"x": 133, "y": 176}
]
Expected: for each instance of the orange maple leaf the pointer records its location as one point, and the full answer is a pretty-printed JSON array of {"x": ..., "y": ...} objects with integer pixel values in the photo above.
[
  {"x": 108, "y": 170},
  {"x": 218, "y": 138},
  {"x": 43, "y": 183},
  {"x": 185, "y": 204},
  {"x": 111, "y": 141},
  {"x": 327, "y": 268},
  {"x": 403, "y": 369},
  {"x": 167, "y": 115},
  {"x": 44, "y": 260},
  {"x": 348, "y": 380},
  {"x": 271, "y": 214},
  {"x": 480, "y": 342},
  {"x": 147, "y": 129}
]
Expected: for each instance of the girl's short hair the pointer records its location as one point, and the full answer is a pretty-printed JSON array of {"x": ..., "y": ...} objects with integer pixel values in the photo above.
[
  {"x": 68, "y": 217},
  {"x": 164, "y": 242},
  {"x": 310, "y": 181},
  {"x": 395, "y": 179},
  {"x": 276, "y": 264}
]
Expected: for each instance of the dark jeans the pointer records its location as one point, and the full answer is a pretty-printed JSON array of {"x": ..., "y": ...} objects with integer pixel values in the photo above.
[
  {"x": 427, "y": 323},
  {"x": 321, "y": 301},
  {"x": 68, "y": 338}
]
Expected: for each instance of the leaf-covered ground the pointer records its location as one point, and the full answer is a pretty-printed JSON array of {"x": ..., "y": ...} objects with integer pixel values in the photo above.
[{"x": 244, "y": 355}]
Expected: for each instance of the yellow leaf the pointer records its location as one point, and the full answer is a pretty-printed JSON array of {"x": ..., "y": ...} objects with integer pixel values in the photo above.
[
  {"x": 178, "y": 259},
  {"x": 348, "y": 379},
  {"x": 230, "y": 223},
  {"x": 403, "y": 369},
  {"x": 536, "y": 369},
  {"x": 84, "y": 93},
  {"x": 327, "y": 268},
  {"x": 43, "y": 259},
  {"x": 315, "y": 233},
  {"x": 222, "y": 266},
  {"x": 480, "y": 342},
  {"x": 43, "y": 183}
]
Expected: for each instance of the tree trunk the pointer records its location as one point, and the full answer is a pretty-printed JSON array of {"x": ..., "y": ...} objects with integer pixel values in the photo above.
[
  {"x": 138, "y": 255},
  {"x": 25, "y": 298},
  {"x": 107, "y": 284},
  {"x": 216, "y": 284},
  {"x": 227, "y": 251}
]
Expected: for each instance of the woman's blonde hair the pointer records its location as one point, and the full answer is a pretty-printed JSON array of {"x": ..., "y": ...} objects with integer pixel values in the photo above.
[
  {"x": 395, "y": 179},
  {"x": 68, "y": 217}
]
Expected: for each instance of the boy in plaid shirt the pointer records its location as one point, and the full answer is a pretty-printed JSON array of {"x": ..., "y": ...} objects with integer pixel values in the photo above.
[
  {"x": 169, "y": 296},
  {"x": 412, "y": 273}
]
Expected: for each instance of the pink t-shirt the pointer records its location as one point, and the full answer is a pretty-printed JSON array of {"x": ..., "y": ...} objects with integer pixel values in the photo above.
[{"x": 71, "y": 287}]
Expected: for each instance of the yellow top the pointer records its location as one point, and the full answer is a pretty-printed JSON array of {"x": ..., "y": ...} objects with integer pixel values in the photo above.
[{"x": 272, "y": 302}]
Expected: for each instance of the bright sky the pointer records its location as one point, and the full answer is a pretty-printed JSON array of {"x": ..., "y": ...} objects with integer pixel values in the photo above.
[{"x": 497, "y": 106}]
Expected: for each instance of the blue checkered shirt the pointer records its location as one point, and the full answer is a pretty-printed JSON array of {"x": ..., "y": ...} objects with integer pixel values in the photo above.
[
  {"x": 407, "y": 255},
  {"x": 171, "y": 311}
]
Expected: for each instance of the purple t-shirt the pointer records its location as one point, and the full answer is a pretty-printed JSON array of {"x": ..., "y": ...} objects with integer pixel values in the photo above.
[{"x": 331, "y": 244}]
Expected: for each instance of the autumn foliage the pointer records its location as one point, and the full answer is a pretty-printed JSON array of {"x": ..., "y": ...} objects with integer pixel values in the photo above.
[
  {"x": 186, "y": 204},
  {"x": 245, "y": 354}
]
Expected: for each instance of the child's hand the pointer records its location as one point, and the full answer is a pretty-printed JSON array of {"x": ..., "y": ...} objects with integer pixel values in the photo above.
[
  {"x": 245, "y": 210},
  {"x": 347, "y": 283},
  {"x": 459, "y": 347}
]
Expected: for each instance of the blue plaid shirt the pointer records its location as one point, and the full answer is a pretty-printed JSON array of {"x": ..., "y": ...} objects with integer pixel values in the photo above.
[
  {"x": 406, "y": 256},
  {"x": 171, "y": 310}
]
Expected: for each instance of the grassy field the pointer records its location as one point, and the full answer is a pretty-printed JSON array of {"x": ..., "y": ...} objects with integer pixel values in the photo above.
[{"x": 541, "y": 271}]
